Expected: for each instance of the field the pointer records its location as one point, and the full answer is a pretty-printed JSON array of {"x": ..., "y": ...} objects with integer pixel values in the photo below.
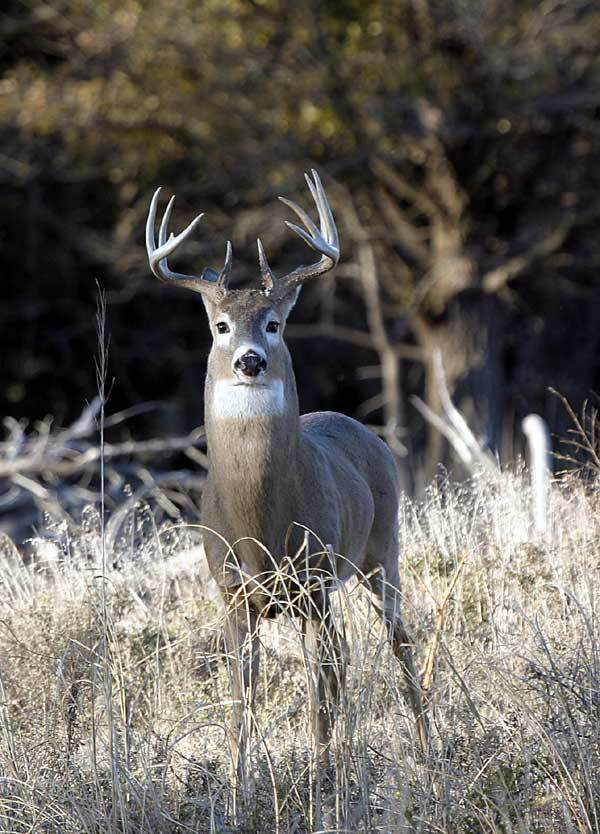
[{"x": 114, "y": 691}]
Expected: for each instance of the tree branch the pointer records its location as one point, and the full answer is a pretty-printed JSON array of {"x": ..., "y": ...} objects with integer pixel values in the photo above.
[
  {"x": 402, "y": 189},
  {"x": 496, "y": 279},
  {"x": 406, "y": 234}
]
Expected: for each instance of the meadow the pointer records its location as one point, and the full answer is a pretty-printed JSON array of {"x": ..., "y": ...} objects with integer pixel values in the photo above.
[{"x": 115, "y": 696}]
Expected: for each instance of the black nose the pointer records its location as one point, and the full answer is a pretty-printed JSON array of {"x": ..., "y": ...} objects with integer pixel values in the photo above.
[{"x": 250, "y": 364}]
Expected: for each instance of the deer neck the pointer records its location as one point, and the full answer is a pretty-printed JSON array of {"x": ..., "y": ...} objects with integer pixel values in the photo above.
[{"x": 253, "y": 437}]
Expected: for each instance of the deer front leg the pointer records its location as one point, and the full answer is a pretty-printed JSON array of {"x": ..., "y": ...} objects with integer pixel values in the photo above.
[
  {"x": 327, "y": 671},
  {"x": 242, "y": 656}
]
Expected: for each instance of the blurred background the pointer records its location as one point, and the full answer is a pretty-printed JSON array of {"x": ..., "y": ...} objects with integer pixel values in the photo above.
[{"x": 459, "y": 143}]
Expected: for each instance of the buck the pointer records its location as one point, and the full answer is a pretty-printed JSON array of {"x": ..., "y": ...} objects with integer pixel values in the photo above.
[{"x": 280, "y": 484}]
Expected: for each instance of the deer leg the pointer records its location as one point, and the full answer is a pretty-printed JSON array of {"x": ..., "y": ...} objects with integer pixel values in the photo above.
[
  {"x": 327, "y": 668},
  {"x": 388, "y": 594},
  {"x": 242, "y": 654}
]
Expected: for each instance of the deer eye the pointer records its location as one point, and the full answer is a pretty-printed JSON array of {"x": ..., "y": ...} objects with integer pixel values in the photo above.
[
  {"x": 222, "y": 327},
  {"x": 272, "y": 326}
]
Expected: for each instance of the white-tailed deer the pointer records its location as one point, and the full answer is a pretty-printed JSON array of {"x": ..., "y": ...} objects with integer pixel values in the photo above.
[{"x": 273, "y": 475}]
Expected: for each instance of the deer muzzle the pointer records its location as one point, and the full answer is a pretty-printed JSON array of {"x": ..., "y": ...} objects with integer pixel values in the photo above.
[{"x": 250, "y": 364}]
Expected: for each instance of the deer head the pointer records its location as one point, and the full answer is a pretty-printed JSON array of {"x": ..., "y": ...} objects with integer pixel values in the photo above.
[{"x": 247, "y": 324}]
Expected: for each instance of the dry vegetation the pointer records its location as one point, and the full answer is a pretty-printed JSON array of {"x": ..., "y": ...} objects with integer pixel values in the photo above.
[{"x": 114, "y": 692}]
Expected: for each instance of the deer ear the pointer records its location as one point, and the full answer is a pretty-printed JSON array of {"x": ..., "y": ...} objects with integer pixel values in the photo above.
[
  {"x": 209, "y": 274},
  {"x": 288, "y": 301},
  {"x": 208, "y": 306}
]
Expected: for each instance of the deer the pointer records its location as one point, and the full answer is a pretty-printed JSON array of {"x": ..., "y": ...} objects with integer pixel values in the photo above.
[{"x": 279, "y": 484}]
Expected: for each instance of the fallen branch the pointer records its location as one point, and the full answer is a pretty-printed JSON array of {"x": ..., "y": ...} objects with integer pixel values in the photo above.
[
  {"x": 57, "y": 471},
  {"x": 453, "y": 425}
]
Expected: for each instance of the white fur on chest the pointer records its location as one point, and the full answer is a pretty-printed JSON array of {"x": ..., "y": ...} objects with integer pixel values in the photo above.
[{"x": 247, "y": 402}]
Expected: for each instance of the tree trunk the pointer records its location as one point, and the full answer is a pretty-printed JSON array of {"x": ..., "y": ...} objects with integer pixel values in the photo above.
[{"x": 469, "y": 335}]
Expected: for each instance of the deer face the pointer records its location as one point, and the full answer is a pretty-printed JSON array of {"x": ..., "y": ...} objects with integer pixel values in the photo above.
[
  {"x": 248, "y": 353},
  {"x": 247, "y": 330},
  {"x": 249, "y": 362}
]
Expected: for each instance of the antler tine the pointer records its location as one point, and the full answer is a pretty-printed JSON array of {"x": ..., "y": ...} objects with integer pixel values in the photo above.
[
  {"x": 316, "y": 195},
  {"x": 150, "y": 221},
  {"x": 325, "y": 213},
  {"x": 267, "y": 277},
  {"x": 306, "y": 218},
  {"x": 323, "y": 239},
  {"x": 225, "y": 272},
  {"x": 157, "y": 255},
  {"x": 164, "y": 224}
]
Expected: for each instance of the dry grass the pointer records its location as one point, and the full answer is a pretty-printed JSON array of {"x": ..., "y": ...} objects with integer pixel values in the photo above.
[{"x": 114, "y": 693}]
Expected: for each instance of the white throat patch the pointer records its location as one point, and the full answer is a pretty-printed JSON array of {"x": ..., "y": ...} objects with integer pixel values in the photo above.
[{"x": 247, "y": 402}]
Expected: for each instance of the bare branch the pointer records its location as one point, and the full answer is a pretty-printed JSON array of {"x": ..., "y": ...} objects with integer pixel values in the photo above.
[
  {"x": 57, "y": 471},
  {"x": 62, "y": 461},
  {"x": 453, "y": 425},
  {"x": 587, "y": 440},
  {"x": 390, "y": 366},
  {"x": 406, "y": 234},
  {"x": 496, "y": 279},
  {"x": 327, "y": 330},
  {"x": 459, "y": 446},
  {"x": 396, "y": 183},
  {"x": 455, "y": 418}
]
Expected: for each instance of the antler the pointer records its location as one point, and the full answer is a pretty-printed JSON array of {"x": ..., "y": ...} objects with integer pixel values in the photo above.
[
  {"x": 209, "y": 282},
  {"x": 323, "y": 240}
]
